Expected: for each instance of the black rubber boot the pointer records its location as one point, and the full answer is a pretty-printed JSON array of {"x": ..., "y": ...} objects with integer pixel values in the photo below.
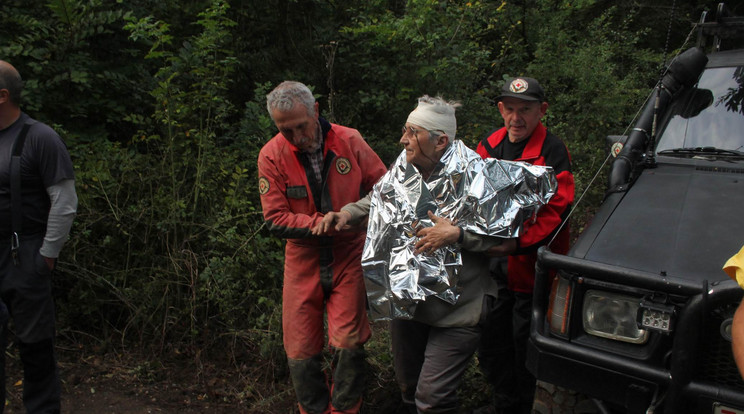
[
  {"x": 310, "y": 384},
  {"x": 348, "y": 377}
]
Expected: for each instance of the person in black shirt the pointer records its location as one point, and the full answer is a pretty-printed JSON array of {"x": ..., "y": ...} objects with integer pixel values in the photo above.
[{"x": 36, "y": 214}]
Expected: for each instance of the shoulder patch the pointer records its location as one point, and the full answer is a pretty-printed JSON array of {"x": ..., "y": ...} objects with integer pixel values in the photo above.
[
  {"x": 263, "y": 185},
  {"x": 343, "y": 166}
]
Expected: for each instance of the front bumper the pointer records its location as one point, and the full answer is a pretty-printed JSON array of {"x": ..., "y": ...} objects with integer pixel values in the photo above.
[{"x": 678, "y": 384}]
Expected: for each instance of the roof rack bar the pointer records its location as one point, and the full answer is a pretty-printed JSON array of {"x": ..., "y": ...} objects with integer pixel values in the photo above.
[{"x": 724, "y": 26}]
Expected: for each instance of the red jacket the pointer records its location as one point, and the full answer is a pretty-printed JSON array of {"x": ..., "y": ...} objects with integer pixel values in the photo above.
[
  {"x": 542, "y": 148},
  {"x": 291, "y": 206}
]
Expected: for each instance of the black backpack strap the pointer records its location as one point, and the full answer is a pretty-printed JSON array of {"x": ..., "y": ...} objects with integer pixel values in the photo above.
[{"x": 16, "y": 205}]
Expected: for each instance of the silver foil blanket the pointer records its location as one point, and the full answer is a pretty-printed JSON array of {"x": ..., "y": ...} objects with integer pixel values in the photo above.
[{"x": 488, "y": 197}]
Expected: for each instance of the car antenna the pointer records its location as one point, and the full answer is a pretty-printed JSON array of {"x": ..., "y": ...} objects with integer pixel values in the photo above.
[{"x": 650, "y": 161}]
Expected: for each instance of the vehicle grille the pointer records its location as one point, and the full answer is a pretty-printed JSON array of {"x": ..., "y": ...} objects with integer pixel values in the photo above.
[{"x": 717, "y": 364}]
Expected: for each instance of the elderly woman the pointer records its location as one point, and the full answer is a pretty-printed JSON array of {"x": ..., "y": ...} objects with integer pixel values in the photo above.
[{"x": 433, "y": 349}]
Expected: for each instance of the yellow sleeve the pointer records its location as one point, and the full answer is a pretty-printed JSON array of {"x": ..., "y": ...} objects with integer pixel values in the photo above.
[{"x": 734, "y": 267}]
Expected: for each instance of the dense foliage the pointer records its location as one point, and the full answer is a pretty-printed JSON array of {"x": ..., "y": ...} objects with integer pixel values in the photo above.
[{"x": 162, "y": 106}]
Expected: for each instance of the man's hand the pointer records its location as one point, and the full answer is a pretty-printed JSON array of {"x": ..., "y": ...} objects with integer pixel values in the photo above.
[
  {"x": 507, "y": 247},
  {"x": 50, "y": 261},
  {"x": 332, "y": 221},
  {"x": 443, "y": 233}
]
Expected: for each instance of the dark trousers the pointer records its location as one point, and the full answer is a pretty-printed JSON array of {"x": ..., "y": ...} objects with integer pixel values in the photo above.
[
  {"x": 430, "y": 362},
  {"x": 503, "y": 347},
  {"x": 26, "y": 290}
]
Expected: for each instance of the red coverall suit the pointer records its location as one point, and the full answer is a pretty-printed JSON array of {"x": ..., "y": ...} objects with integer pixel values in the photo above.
[
  {"x": 506, "y": 331},
  {"x": 320, "y": 272}
]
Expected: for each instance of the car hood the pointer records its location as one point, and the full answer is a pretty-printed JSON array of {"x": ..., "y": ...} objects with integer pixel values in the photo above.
[{"x": 681, "y": 221}]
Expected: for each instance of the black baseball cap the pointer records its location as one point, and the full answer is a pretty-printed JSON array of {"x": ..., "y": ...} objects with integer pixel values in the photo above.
[{"x": 527, "y": 89}]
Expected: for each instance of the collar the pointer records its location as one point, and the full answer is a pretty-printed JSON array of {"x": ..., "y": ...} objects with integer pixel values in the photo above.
[
  {"x": 535, "y": 143},
  {"x": 21, "y": 119}
]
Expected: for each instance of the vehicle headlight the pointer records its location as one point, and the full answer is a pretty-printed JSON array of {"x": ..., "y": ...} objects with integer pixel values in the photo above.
[{"x": 613, "y": 316}]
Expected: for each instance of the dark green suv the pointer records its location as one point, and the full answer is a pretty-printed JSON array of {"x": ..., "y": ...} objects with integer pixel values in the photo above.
[{"x": 637, "y": 316}]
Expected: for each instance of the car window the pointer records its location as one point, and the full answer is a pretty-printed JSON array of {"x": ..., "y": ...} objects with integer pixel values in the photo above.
[{"x": 709, "y": 115}]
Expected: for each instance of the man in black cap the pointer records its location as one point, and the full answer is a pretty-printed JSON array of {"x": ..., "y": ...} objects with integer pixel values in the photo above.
[{"x": 502, "y": 354}]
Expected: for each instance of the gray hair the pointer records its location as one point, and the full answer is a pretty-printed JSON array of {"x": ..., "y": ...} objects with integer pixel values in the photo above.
[
  {"x": 284, "y": 97},
  {"x": 11, "y": 80},
  {"x": 438, "y": 100},
  {"x": 434, "y": 135}
]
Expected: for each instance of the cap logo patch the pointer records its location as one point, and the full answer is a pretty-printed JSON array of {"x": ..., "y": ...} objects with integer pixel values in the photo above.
[
  {"x": 263, "y": 185},
  {"x": 519, "y": 86},
  {"x": 343, "y": 166}
]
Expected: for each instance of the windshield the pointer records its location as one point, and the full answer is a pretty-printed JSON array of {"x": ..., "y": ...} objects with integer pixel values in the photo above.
[{"x": 709, "y": 115}]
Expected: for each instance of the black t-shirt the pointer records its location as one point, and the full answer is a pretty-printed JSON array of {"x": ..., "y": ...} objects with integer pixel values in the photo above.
[
  {"x": 45, "y": 161},
  {"x": 510, "y": 151}
]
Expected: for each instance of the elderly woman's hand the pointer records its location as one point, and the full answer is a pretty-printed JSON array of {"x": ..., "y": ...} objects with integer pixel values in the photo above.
[{"x": 443, "y": 233}]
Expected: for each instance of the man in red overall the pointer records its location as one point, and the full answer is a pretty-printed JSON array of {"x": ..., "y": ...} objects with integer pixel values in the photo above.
[
  {"x": 501, "y": 355},
  {"x": 311, "y": 167}
]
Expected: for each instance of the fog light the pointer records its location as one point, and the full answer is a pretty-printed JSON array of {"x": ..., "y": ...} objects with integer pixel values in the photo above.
[
  {"x": 656, "y": 316},
  {"x": 613, "y": 316}
]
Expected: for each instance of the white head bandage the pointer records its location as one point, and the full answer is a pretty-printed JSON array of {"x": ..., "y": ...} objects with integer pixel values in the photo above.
[{"x": 435, "y": 114}]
